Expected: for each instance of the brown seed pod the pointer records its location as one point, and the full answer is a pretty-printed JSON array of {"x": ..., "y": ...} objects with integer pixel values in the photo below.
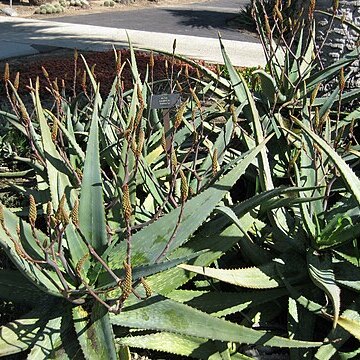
[
  {"x": 54, "y": 131},
  {"x": 148, "y": 291},
  {"x": 335, "y": 5},
  {"x": 196, "y": 99},
  {"x": 317, "y": 117},
  {"x": 61, "y": 214},
  {"x": 173, "y": 159},
  {"x": 61, "y": 205},
  {"x": 65, "y": 217},
  {"x": 179, "y": 115},
  {"x": 267, "y": 26},
  {"x": 24, "y": 114},
  {"x": 140, "y": 143},
  {"x": 76, "y": 55},
  {"x": 312, "y": 6},
  {"x": 81, "y": 263},
  {"x": 130, "y": 128},
  {"x": 151, "y": 60},
  {"x": 139, "y": 114},
  {"x": 215, "y": 164},
  {"x": 32, "y": 210},
  {"x": 118, "y": 62},
  {"x": 46, "y": 74},
  {"x": 83, "y": 81},
  {"x": 314, "y": 94},
  {"x": 49, "y": 208},
  {"x": 140, "y": 95},
  {"x": 17, "y": 81},
  {"x": 186, "y": 71},
  {"x": 126, "y": 284},
  {"x": 184, "y": 188},
  {"x": 79, "y": 173},
  {"x": 55, "y": 85},
  {"x": 75, "y": 213},
  {"x": 342, "y": 81},
  {"x": 126, "y": 204},
  {"x": 163, "y": 141},
  {"x": 6, "y": 73},
  {"x": 277, "y": 14}
]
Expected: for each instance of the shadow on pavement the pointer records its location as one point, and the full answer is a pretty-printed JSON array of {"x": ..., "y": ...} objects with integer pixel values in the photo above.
[{"x": 203, "y": 18}]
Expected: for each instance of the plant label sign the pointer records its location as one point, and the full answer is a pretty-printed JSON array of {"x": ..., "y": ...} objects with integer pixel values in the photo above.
[{"x": 164, "y": 101}]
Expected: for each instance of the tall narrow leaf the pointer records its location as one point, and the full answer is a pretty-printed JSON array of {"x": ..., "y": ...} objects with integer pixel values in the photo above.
[{"x": 91, "y": 210}]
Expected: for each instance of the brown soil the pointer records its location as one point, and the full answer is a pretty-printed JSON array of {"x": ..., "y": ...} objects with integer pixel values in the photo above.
[
  {"x": 96, "y": 6},
  {"x": 60, "y": 67}
]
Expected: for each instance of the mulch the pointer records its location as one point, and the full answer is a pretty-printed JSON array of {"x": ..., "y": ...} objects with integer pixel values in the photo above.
[{"x": 59, "y": 66}]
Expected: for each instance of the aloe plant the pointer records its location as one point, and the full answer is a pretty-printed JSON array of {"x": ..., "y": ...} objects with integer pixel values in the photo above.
[
  {"x": 307, "y": 244},
  {"x": 112, "y": 216}
]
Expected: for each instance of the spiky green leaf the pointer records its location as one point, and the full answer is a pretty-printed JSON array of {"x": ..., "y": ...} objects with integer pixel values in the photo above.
[{"x": 91, "y": 210}]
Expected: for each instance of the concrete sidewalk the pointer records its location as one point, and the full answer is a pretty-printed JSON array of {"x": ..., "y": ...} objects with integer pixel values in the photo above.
[{"x": 20, "y": 37}]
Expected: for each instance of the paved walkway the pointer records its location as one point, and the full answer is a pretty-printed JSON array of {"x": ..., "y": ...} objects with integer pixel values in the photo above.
[
  {"x": 101, "y": 31},
  {"x": 204, "y": 19}
]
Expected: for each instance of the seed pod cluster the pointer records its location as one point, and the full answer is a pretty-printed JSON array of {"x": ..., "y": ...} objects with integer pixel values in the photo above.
[
  {"x": 215, "y": 164},
  {"x": 184, "y": 187},
  {"x": 46, "y": 74},
  {"x": 151, "y": 60},
  {"x": 6, "y": 73},
  {"x": 140, "y": 142},
  {"x": 173, "y": 159},
  {"x": 163, "y": 141},
  {"x": 126, "y": 284},
  {"x": 24, "y": 114},
  {"x": 49, "y": 208},
  {"x": 76, "y": 55},
  {"x": 314, "y": 94},
  {"x": 17, "y": 81},
  {"x": 277, "y": 13},
  {"x": 179, "y": 115},
  {"x": 83, "y": 81},
  {"x": 196, "y": 99},
  {"x": 312, "y": 8},
  {"x": 148, "y": 291},
  {"x": 81, "y": 263},
  {"x": 61, "y": 214},
  {"x": 341, "y": 80},
  {"x": 79, "y": 173},
  {"x": 126, "y": 204},
  {"x": 54, "y": 131},
  {"x": 317, "y": 117},
  {"x": 32, "y": 210},
  {"x": 75, "y": 213},
  {"x": 118, "y": 63},
  {"x": 267, "y": 26}
]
